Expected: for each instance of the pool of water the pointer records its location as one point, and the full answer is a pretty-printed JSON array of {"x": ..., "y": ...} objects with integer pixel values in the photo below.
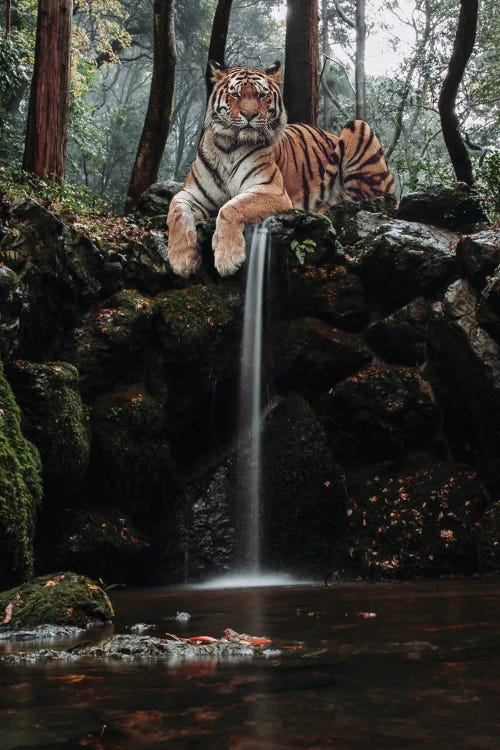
[{"x": 422, "y": 673}]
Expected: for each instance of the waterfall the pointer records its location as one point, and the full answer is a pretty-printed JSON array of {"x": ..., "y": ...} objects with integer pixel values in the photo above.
[{"x": 250, "y": 409}]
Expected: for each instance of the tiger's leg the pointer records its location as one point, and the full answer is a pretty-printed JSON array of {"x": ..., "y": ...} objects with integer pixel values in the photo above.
[
  {"x": 183, "y": 252},
  {"x": 246, "y": 208}
]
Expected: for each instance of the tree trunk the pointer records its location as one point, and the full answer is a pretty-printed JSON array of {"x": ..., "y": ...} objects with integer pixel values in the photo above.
[
  {"x": 157, "y": 121},
  {"x": 462, "y": 50},
  {"x": 218, "y": 38},
  {"x": 8, "y": 16},
  {"x": 47, "y": 128},
  {"x": 360, "y": 60},
  {"x": 301, "y": 61}
]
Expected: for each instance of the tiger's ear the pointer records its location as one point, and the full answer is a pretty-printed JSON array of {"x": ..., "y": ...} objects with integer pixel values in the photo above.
[
  {"x": 218, "y": 70},
  {"x": 274, "y": 71}
]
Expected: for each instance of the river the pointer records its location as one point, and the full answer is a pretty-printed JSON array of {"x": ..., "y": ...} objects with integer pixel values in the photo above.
[{"x": 368, "y": 666}]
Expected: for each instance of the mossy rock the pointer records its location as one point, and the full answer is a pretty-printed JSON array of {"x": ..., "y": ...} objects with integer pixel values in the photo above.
[
  {"x": 303, "y": 239},
  {"x": 20, "y": 491},
  {"x": 196, "y": 326},
  {"x": 131, "y": 463},
  {"x": 54, "y": 419},
  {"x": 57, "y": 599},
  {"x": 111, "y": 346}
]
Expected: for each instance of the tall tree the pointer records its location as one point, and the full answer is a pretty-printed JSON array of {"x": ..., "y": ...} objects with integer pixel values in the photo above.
[
  {"x": 360, "y": 77},
  {"x": 46, "y": 132},
  {"x": 218, "y": 39},
  {"x": 301, "y": 61},
  {"x": 462, "y": 50},
  {"x": 157, "y": 121},
  {"x": 8, "y": 16}
]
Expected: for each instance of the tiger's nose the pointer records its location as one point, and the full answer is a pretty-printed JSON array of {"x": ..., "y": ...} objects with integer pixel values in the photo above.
[{"x": 248, "y": 115}]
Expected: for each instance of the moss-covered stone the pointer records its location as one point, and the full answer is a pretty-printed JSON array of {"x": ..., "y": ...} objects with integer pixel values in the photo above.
[
  {"x": 131, "y": 462},
  {"x": 57, "y": 599},
  {"x": 110, "y": 347},
  {"x": 54, "y": 419},
  {"x": 20, "y": 491}
]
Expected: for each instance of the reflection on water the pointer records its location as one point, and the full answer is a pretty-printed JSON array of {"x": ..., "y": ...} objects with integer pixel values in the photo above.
[{"x": 421, "y": 674}]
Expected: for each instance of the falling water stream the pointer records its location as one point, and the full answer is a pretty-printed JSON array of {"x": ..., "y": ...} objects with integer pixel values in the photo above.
[{"x": 250, "y": 409}]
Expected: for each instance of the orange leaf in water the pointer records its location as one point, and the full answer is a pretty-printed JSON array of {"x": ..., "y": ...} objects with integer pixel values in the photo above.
[{"x": 7, "y": 615}]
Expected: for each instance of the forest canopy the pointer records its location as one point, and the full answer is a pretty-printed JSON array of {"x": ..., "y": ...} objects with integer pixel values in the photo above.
[{"x": 406, "y": 49}]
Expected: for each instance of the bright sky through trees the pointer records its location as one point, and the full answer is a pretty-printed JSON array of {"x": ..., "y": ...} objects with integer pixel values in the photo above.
[{"x": 389, "y": 38}]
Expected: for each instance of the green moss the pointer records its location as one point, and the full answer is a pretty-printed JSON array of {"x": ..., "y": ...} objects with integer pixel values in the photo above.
[
  {"x": 20, "y": 491},
  {"x": 57, "y": 599}
]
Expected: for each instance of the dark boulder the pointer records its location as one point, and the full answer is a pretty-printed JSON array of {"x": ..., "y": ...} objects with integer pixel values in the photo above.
[
  {"x": 488, "y": 311},
  {"x": 303, "y": 239},
  {"x": 303, "y": 498},
  {"x": 155, "y": 201},
  {"x": 57, "y": 599},
  {"x": 103, "y": 544},
  {"x": 489, "y": 539},
  {"x": 404, "y": 260},
  {"x": 143, "y": 264},
  {"x": 379, "y": 413},
  {"x": 401, "y": 338},
  {"x": 332, "y": 294},
  {"x": 360, "y": 226},
  {"x": 20, "y": 492},
  {"x": 311, "y": 356},
  {"x": 478, "y": 255},
  {"x": 414, "y": 518},
  {"x": 61, "y": 271},
  {"x": 456, "y": 207},
  {"x": 343, "y": 214}
]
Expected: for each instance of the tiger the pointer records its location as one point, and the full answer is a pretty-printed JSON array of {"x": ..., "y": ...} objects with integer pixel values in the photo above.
[{"x": 250, "y": 165}]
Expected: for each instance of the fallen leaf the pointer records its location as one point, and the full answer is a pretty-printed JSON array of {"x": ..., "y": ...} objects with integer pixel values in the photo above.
[{"x": 7, "y": 615}]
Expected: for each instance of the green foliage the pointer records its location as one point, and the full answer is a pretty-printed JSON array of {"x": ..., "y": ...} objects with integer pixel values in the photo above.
[
  {"x": 303, "y": 249},
  {"x": 488, "y": 184},
  {"x": 64, "y": 197}
]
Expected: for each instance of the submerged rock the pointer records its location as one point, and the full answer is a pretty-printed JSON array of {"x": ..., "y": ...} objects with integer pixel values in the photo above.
[
  {"x": 379, "y": 413},
  {"x": 20, "y": 492},
  {"x": 455, "y": 207},
  {"x": 56, "y": 599}
]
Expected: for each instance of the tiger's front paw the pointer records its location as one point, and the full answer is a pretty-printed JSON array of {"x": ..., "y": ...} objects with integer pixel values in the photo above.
[
  {"x": 229, "y": 252},
  {"x": 184, "y": 258}
]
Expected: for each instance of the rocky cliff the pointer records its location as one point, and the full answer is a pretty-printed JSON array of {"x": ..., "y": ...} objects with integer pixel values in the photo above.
[{"x": 381, "y": 434}]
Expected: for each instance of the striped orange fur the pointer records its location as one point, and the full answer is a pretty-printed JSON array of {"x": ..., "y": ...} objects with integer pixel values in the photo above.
[{"x": 250, "y": 164}]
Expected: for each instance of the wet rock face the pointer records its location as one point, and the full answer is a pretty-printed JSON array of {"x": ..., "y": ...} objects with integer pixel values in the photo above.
[
  {"x": 479, "y": 254},
  {"x": 488, "y": 311},
  {"x": 401, "y": 338},
  {"x": 11, "y": 301},
  {"x": 58, "y": 599},
  {"x": 419, "y": 518},
  {"x": 20, "y": 491},
  {"x": 404, "y": 260},
  {"x": 379, "y": 413},
  {"x": 454, "y": 207},
  {"x": 344, "y": 216},
  {"x": 466, "y": 375}
]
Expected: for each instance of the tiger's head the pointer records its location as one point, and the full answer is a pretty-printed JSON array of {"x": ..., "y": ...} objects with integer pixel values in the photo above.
[{"x": 245, "y": 106}]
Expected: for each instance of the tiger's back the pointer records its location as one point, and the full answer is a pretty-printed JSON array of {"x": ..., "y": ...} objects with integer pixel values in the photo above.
[{"x": 320, "y": 168}]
